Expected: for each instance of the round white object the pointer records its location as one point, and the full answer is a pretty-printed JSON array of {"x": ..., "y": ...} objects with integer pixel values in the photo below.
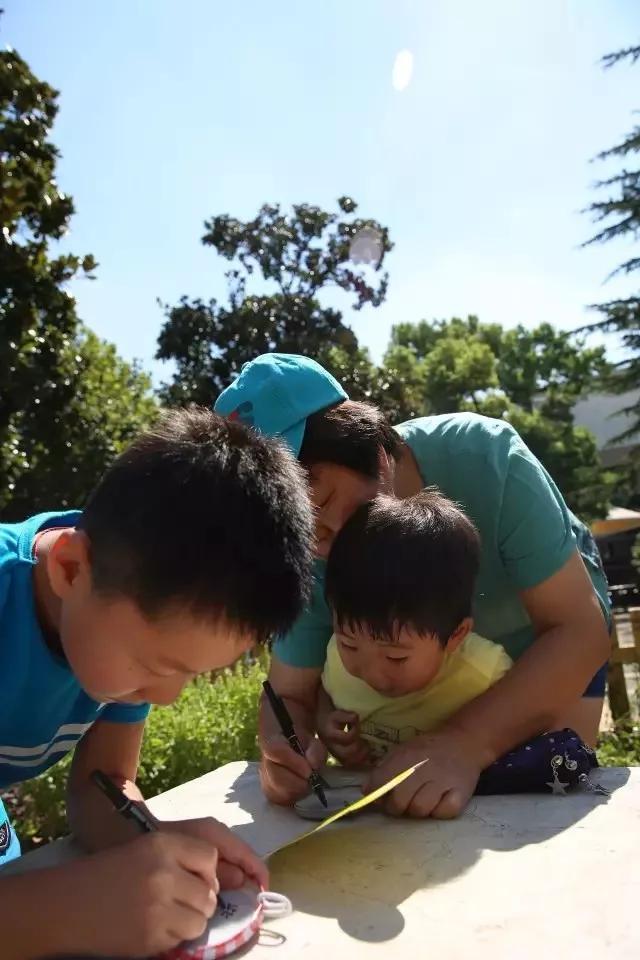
[
  {"x": 236, "y": 921},
  {"x": 310, "y": 807}
]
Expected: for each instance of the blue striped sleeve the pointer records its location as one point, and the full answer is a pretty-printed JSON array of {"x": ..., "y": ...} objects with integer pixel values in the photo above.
[{"x": 125, "y": 712}]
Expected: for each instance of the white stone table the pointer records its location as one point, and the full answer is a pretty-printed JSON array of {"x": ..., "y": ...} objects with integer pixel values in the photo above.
[{"x": 515, "y": 878}]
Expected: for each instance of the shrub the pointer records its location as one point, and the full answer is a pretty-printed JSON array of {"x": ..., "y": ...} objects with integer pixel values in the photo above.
[
  {"x": 213, "y": 722},
  {"x": 621, "y": 746}
]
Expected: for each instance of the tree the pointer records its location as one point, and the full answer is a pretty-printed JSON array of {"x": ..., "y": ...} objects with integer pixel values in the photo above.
[
  {"x": 465, "y": 358},
  {"x": 54, "y": 460},
  {"x": 53, "y": 444},
  {"x": 620, "y": 213},
  {"x": 530, "y": 378},
  {"x": 299, "y": 255},
  {"x": 397, "y": 387},
  {"x": 38, "y": 315}
]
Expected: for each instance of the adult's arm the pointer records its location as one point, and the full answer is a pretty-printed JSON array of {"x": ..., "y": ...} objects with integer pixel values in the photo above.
[
  {"x": 539, "y": 556},
  {"x": 284, "y": 774},
  {"x": 296, "y": 667},
  {"x": 572, "y": 643}
]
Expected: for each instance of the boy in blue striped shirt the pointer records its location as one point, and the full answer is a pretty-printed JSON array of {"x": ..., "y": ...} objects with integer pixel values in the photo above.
[{"x": 194, "y": 546}]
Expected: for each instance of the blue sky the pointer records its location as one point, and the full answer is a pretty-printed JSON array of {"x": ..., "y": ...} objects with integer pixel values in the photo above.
[{"x": 172, "y": 112}]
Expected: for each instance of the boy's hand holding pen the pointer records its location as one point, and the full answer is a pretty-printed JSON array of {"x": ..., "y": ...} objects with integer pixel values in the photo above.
[{"x": 235, "y": 861}]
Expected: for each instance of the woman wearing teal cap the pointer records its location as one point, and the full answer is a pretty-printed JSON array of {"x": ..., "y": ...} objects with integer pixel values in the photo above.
[{"x": 541, "y": 593}]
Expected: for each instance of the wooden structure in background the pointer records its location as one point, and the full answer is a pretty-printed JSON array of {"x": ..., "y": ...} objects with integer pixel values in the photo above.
[
  {"x": 624, "y": 621},
  {"x": 616, "y": 537}
]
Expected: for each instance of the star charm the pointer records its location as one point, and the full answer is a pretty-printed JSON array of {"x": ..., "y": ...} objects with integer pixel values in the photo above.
[{"x": 558, "y": 788}]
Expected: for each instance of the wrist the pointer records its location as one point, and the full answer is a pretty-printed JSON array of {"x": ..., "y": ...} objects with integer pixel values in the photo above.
[
  {"x": 54, "y": 895},
  {"x": 69, "y": 912},
  {"x": 302, "y": 717},
  {"x": 80, "y": 906},
  {"x": 473, "y": 742}
]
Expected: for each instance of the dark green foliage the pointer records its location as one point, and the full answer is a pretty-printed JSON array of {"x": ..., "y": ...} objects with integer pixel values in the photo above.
[
  {"x": 299, "y": 255},
  {"x": 531, "y": 378},
  {"x": 619, "y": 215},
  {"x": 67, "y": 402}
]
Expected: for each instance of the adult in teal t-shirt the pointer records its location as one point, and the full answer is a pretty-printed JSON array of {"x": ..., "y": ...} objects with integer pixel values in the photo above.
[{"x": 541, "y": 590}]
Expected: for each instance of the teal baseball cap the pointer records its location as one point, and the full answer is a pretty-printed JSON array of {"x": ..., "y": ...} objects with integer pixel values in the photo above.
[{"x": 276, "y": 392}]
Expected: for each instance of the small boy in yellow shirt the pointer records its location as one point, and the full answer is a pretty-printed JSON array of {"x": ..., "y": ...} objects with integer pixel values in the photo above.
[{"x": 403, "y": 658}]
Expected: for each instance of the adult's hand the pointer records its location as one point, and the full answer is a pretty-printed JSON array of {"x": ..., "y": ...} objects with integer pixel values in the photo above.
[
  {"x": 440, "y": 788},
  {"x": 284, "y": 774}
]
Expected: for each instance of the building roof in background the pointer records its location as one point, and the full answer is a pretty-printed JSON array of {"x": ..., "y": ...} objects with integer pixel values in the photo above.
[{"x": 621, "y": 513}]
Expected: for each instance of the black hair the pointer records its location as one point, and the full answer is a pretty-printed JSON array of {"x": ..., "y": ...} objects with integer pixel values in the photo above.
[
  {"x": 203, "y": 514},
  {"x": 410, "y": 562},
  {"x": 351, "y": 435}
]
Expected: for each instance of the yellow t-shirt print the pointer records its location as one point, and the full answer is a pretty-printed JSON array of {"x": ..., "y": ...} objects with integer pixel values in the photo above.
[{"x": 386, "y": 721}]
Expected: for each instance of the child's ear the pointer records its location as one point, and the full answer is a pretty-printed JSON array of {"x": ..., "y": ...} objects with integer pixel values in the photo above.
[
  {"x": 68, "y": 562},
  {"x": 460, "y": 634}
]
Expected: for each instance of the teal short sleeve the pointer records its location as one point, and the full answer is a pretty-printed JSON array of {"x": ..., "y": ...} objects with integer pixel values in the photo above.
[
  {"x": 306, "y": 643},
  {"x": 125, "y": 712},
  {"x": 535, "y": 533}
]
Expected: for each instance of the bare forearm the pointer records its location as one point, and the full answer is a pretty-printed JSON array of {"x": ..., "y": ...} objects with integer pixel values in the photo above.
[
  {"x": 302, "y": 715},
  {"x": 298, "y": 687},
  {"x": 92, "y": 818},
  {"x": 284, "y": 774},
  {"x": 552, "y": 674},
  {"x": 113, "y": 748},
  {"x": 40, "y": 915}
]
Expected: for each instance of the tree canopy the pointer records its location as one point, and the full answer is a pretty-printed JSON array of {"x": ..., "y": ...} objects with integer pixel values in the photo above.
[
  {"x": 531, "y": 378},
  {"x": 619, "y": 217},
  {"x": 298, "y": 255},
  {"x": 67, "y": 402}
]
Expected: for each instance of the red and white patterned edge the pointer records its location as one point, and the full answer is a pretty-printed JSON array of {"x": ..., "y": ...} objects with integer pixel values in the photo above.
[{"x": 205, "y": 952}]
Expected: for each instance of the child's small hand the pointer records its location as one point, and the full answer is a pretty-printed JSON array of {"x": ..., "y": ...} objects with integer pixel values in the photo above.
[
  {"x": 237, "y": 863},
  {"x": 340, "y": 731}
]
